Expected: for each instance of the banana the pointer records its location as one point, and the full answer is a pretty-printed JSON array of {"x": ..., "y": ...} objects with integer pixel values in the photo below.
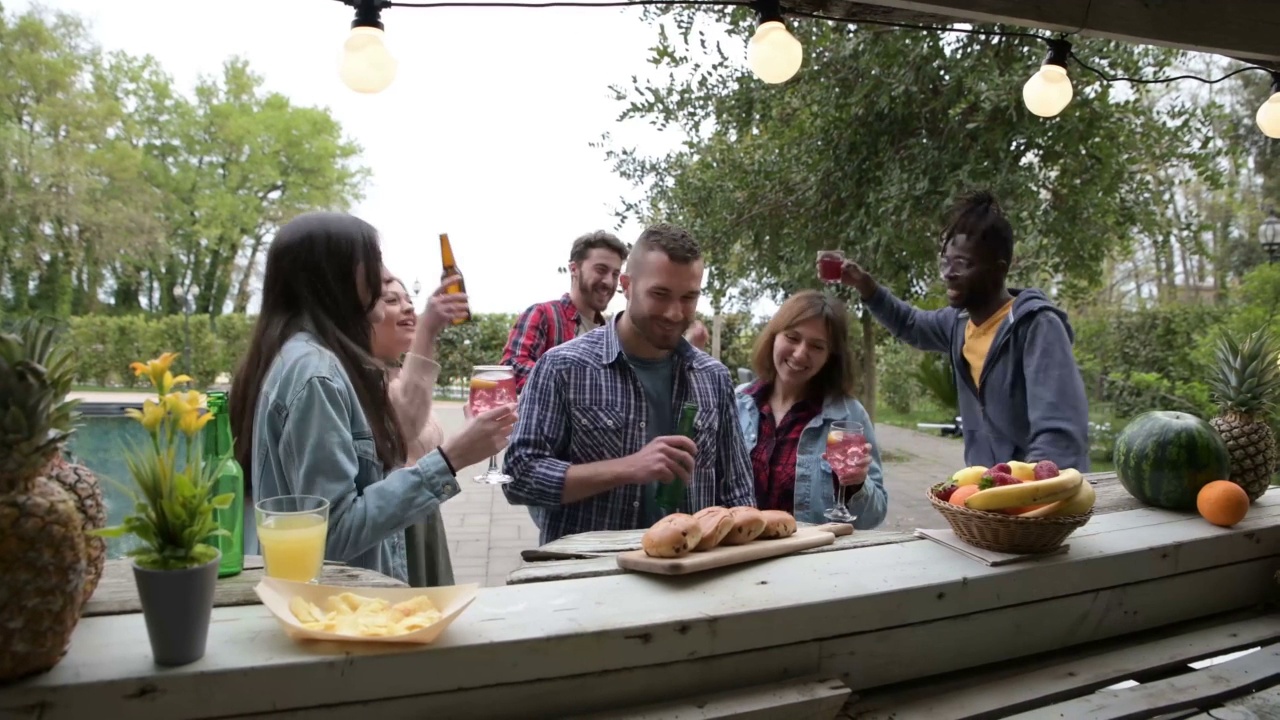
[
  {"x": 971, "y": 475},
  {"x": 1036, "y": 492}
]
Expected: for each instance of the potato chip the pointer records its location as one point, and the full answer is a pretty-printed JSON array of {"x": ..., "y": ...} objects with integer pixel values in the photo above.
[{"x": 358, "y": 616}]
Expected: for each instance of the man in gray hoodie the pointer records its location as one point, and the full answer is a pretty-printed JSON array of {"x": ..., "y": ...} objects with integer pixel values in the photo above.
[{"x": 1021, "y": 393}]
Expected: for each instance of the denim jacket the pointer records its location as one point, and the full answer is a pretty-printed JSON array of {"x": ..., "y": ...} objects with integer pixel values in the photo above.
[
  {"x": 815, "y": 487},
  {"x": 310, "y": 437}
]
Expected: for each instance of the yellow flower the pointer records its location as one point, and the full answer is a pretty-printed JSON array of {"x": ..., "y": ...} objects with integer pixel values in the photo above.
[
  {"x": 158, "y": 371},
  {"x": 183, "y": 401},
  {"x": 151, "y": 414},
  {"x": 191, "y": 422}
]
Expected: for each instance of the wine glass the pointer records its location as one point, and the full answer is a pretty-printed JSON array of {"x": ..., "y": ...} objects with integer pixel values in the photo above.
[
  {"x": 846, "y": 443},
  {"x": 491, "y": 386}
]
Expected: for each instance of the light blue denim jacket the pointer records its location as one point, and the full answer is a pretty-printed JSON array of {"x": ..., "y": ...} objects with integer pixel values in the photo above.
[
  {"x": 310, "y": 437},
  {"x": 815, "y": 489}
]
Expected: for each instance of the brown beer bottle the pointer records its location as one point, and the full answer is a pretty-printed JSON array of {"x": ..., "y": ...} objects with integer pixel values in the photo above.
[{"x": 451, "y": 268}]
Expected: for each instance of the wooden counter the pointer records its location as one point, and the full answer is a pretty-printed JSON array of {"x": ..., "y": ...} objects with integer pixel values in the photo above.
[{"x": 816, "y": 626}]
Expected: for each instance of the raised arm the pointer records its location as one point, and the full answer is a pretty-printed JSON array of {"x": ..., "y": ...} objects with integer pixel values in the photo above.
[{"x": 922, "y": 329}]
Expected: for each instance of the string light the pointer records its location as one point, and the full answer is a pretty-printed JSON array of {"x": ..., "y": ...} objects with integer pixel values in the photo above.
[
  {"x": 1049, "y": 91},
  {"x": 774, "y": 55},
  {"x": 1269, "y": 113},
  {"x": 366, "y": 65}
]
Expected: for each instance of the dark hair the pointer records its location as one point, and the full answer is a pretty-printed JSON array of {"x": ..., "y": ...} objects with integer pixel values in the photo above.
[
  {"x": 836, "y": 377},
  {"x": 978, "y": 215},
  {"x": 310, "y": 284},
  {"x": 673, "y": 241},
  {"x": 598, "y": 240}
]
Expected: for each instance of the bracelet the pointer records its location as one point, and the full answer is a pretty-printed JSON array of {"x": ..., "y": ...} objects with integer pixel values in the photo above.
[{"x": 447, "y": 463}]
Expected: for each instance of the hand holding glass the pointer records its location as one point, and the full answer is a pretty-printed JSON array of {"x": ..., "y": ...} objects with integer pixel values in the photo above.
[
  {"x": 846, "y": 445},
  {"x": 292, "y": 530}
]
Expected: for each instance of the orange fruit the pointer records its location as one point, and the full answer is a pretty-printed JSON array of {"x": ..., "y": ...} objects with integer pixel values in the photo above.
[
  {"x": 1222, "y": 503},
  {"x": 962, "y": 492}
]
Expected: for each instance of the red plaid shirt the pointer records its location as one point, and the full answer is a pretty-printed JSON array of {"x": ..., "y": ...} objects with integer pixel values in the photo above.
[
  {"x": 537, "y": 330},
  {"x": 773, "y": 459}
]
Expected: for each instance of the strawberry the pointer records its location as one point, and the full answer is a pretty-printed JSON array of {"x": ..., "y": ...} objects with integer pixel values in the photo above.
[
  {"x": 996, "y": 479},
  {"x": 1045, "y": 470},
  {"x": 945, "y": 492},
  {"x": 1002, "y": 468}
]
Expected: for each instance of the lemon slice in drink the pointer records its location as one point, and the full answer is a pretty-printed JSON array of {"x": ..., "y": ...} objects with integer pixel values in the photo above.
[
  {"x": 834, "y": 437},
  {"x": 482, "y": 384}
]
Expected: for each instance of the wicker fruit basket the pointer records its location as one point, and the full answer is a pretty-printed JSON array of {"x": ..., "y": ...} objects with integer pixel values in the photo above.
[{"x": 1007, "y": 533}]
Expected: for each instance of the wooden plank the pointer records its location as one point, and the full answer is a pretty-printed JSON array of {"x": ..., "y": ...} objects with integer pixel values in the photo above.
[
  {"x": 1236, "y": 28},
  {"x": 554, "y": 699},
  {"x": 725, "y": 555},
  {"x": 1257, "y": 670},
  {"x": 793, "y": 700},
  {"x": 117, "y": 592},
  {"x": 1263, "y": 705},
  {"x": 877, "y": 658},
  {"x": 543, "y": 631},
  {"x": 991, "y": 692}
]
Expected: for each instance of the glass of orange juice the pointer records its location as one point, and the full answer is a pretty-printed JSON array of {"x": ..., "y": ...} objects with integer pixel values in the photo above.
[{"x": 292, "y": 531}]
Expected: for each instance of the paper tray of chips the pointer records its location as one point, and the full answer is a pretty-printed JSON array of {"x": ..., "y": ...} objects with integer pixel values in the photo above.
[{"x": 276, "y": 595}]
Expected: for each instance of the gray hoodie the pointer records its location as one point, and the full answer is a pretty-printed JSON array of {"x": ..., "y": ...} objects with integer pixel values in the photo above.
[{"x": 1031, "y": 405}]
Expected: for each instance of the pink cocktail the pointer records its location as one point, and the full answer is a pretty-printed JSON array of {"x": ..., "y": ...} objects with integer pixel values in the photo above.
[
  {"x": 844, "y": 450},
  {"x": 830, "y": 266},
  {"x": 488, "y": 392}
]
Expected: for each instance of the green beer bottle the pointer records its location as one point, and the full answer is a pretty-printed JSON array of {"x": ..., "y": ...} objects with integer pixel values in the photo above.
[
  {"x": 218, "y": 445},
  {"x": 671, "y": 495}
]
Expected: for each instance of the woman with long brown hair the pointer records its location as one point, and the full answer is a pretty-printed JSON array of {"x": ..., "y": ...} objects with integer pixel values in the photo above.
[
  {"x": 804, "y": 385},
  {"x": 310, "y": 409}
]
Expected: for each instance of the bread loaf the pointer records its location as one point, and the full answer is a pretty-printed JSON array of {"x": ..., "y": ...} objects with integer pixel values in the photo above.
[
  {"x": 715, "y": 522},
  {"x": 777, "y": 524},
  {"x": 671, "y": 537},
  {"x": 748, "y": 523}
]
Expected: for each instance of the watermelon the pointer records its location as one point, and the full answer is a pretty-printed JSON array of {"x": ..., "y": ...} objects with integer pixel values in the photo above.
[{"x": 1163, "y": 458}]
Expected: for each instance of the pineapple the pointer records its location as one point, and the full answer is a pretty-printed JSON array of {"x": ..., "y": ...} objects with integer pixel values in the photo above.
[
  {"x": 1244, "y": 386},
  {"x": 84, "y": 489},
  {"x": 42, "y": 545}
]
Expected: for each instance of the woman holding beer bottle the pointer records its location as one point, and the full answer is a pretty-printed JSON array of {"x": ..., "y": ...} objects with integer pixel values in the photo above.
[
  {"x": 812, "y": 445},
  {"x": 406, "y": 343}
]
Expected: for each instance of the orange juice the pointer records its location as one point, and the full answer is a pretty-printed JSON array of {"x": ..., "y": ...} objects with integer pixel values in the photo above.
[{"x": 293, "y": 546}]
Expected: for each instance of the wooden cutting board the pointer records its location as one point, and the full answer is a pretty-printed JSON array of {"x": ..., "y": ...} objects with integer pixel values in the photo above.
[{"x": 725, "y": 555}]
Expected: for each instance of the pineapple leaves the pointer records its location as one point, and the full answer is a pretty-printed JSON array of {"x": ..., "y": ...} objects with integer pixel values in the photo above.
[{"x": 1247, "y": 373}]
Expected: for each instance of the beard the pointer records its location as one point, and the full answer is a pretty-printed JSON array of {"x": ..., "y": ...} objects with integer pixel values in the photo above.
[
  {"x": 656, "y": 332},
  {"x": 588, "y": 292}
]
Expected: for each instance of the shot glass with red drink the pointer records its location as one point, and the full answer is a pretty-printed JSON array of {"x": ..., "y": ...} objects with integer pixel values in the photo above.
[{"x": 830, "y": 266}]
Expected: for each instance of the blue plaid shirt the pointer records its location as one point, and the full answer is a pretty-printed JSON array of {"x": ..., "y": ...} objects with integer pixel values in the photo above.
[{"x": 583, "y": 404}]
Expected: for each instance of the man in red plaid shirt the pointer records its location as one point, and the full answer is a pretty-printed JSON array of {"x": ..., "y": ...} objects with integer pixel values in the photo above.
[{"x": 595, "y": 262}]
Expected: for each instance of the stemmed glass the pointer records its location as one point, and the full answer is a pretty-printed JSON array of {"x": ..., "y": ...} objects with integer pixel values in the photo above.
[
  {"x": 846, "y": 444},
  {"x": 492, "y": 386}
]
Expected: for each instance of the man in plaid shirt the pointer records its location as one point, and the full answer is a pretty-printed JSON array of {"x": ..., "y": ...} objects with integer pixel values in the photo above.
[
  {"x": 594, "y": 265},
  {"x": 596, "y": 433}
]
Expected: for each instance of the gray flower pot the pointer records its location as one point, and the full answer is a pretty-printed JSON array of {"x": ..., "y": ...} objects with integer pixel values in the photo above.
[{"x": 176, "y": 605}]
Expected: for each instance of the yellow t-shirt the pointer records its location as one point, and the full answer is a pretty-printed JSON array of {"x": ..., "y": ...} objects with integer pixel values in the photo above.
[{"x": 977, "y": 340}]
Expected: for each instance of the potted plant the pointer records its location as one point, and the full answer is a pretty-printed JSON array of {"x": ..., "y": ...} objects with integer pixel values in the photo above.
[{"x": 174, "y": 566}]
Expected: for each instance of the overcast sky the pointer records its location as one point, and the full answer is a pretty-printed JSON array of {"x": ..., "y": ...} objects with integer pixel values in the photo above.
[{"x": 483, "y": 135}]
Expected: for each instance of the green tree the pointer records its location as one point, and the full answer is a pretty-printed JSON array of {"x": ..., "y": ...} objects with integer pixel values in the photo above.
[{"x": 863, "y": 150}]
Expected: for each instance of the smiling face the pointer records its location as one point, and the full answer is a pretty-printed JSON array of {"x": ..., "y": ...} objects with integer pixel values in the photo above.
[
  {"x": 393, "y": 332},
  {"x": 662, "y": 295},
  {"x": 971, "y": 273},
  {"x": 595, "y": 278},
  {"x": 800, "y": 352}
]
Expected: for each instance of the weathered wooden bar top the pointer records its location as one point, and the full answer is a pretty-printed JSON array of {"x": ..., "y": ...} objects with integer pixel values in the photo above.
[{"x": 904, "y": 629}]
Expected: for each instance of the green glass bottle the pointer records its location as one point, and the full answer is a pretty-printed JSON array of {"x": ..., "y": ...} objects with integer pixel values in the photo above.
[
  {"x": 671, "y": 495},
  {"x": 218, "y": 445}
]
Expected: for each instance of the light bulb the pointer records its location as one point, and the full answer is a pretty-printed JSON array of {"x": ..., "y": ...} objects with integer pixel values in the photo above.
[
  {"x": 366, "y": 66},
  {"x": 1269, "y": 116},
  {"x": 1048, "y": 91},
  {"x": 774, "y": 54}
]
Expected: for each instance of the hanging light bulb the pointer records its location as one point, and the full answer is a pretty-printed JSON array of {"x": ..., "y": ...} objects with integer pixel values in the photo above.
[
  {"x": 773, "y": 53},
  {"x": 366, "y": 65},
  {"x": 1269, "y": 114},
  {"x": 1049, "y": 91}
]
